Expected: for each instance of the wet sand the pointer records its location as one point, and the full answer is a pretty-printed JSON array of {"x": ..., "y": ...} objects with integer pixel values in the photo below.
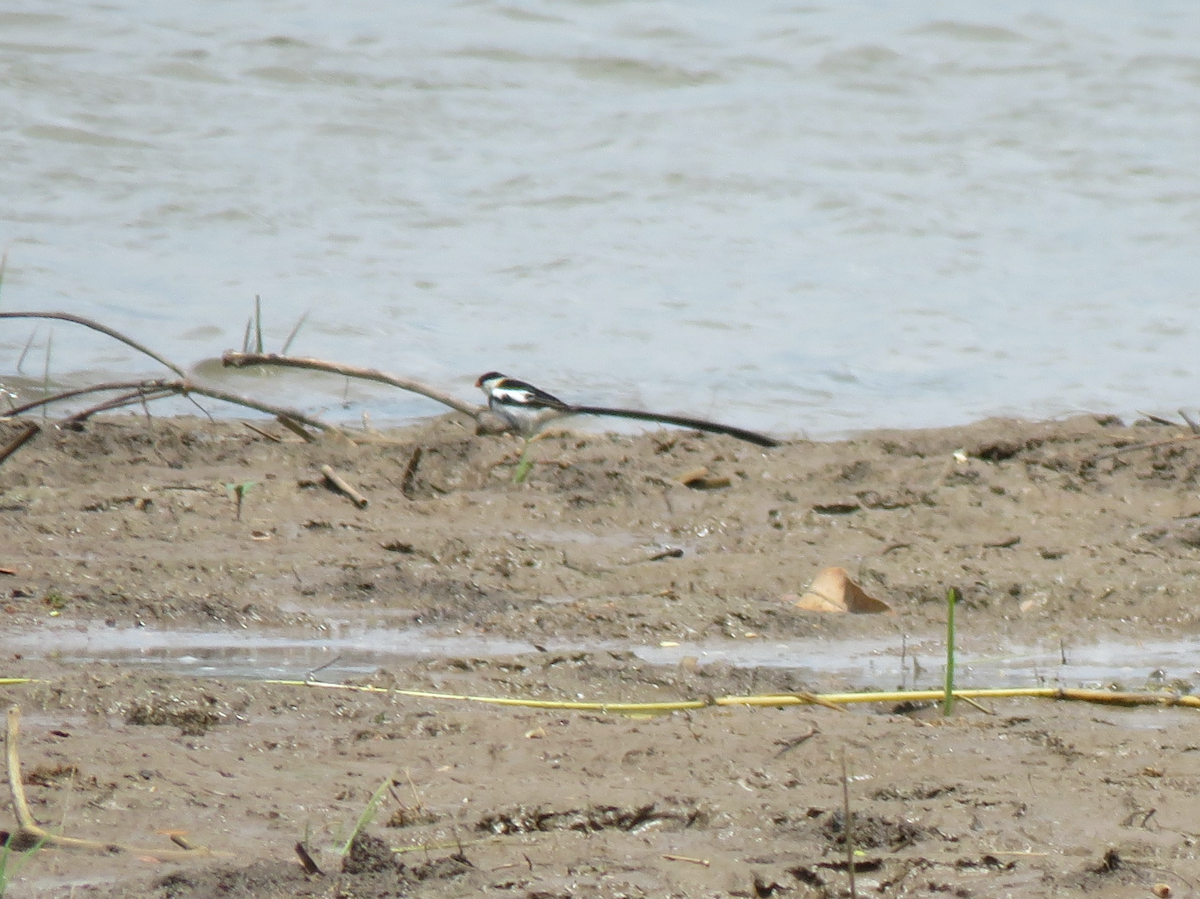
[{"x": 602, "y": 577}]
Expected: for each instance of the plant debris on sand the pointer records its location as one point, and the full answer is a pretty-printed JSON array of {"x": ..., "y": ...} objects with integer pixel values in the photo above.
[{"x": 1060, "y": 535}]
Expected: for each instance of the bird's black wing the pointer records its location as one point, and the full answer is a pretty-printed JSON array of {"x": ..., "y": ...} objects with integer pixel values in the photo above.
[{"x": 512, "y": 392}]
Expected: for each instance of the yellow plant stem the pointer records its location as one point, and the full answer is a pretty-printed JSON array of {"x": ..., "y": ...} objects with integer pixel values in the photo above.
[{"x": 776, "y": 700}]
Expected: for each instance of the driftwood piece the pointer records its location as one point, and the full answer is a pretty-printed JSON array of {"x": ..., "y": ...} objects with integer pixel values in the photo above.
[
  {"x": 344, "y": 487},
  {"x": 241, "y": 360}
]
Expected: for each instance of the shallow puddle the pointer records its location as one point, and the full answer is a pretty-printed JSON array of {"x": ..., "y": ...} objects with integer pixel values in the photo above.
[{"x": 358, "y": 650}]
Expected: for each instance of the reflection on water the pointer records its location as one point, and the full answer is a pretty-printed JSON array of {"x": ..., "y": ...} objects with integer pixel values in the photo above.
[
  {"x": 807, "y": 217},
  {"x": 824, "y": 663}
]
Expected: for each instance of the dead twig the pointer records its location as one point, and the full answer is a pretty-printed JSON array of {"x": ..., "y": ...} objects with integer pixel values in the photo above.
[
  {"x": 977, "y": 705},
  {"x": 31, "y": 429},
  {"x": 410, "y": 472},
  {"x": 296, "y": 428},
  {"x": 241, "y": 360},
  {"x": 131, "y": 398},
  {"x": 814, "y": 699},
  {"x": 143, "y": 391},
  {"x": 306, "y": 860},
  {"x": 1153, "y": 444},
  {"x": 107, "y": 386},
  {"x": 789, "y": 745},
  {"x": 343, "y": 486},
  {"x": 1193, "y": 428},
  {"x": 261, "y": 433},
  {"x": 32, "y": 833},
  {"x": 103, "y": 329},
  {"x": 1104, "y": 697},
  {"x": 848, "y": 827}
]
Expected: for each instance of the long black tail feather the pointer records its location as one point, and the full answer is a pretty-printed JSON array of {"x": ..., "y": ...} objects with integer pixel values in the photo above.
[{"x": 682, "y": 421}]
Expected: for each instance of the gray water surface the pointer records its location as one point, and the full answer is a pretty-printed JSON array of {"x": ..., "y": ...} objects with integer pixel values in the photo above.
[{"x": 803, "y": 218}]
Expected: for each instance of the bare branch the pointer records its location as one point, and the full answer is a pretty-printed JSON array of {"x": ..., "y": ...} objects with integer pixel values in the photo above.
[
  {"x": 241, "y": 360},
  {"x": 103, "y": 329},
  {"x": 139, "y": 391},
  {"x": 84, "y": 391},
  {"x": 31, "y": 430},
  {"x": 126, "y": 399},
  {"x": 270, "y": 409}
]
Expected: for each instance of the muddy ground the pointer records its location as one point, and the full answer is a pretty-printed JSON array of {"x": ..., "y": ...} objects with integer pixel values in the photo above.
[{"x": 1061, "y": 534}]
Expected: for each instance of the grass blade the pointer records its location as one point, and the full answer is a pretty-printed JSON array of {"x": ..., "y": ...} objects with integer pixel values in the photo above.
[
  {"x": 953, "y": 596},
  {"x": 287, "y": 344}
]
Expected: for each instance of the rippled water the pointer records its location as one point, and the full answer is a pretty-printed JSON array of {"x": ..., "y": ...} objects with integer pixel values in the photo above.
[{"x": 807, "y": 218}]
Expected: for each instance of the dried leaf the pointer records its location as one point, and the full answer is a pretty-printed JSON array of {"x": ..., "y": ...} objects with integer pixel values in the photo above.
[
  {"x": 833, "y": 590},
  {"x": 692, "y": 474},
  {"x": 700, "y": 478}
]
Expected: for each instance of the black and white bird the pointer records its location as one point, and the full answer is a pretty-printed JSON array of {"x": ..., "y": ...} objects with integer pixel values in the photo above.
[{"x": 527, "y": 409}]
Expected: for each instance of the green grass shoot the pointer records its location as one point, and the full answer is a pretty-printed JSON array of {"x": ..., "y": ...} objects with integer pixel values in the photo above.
[
  {"x": 368, "y": 814},
  {"x": 524, "y": 465},
  {"x": 238, "y": 492},
  {"x": 12, "y": 860},
  {"x": 953, "y": 597}
]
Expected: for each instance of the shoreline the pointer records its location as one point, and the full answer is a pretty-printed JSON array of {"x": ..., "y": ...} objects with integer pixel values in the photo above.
[{"x": 1055, "y": 531}]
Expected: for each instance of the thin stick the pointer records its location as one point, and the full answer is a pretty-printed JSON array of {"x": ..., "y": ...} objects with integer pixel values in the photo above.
[
  {"x": 971, "y": 702},
  {"x": 31, "y": 429},
  {"x": 258, "y": 341},
  {"x": 25, "y": 352},
  {"x": 132, "y": 398},
  {"x": 214, "y": 393},
  {"x": 261, "y": 433},
  {"x": 296, "y": 428},
  {"x": 1134, "y": 447},
  {"x": 241, "y": 360},
  {"x": 103, "y": 329},
  {"x": 158, "y": 389},
  {"x": 287, "y": 344},
  {"x": 84, "y": 391},
  {"x": 420, "y": 806},
  {"x": 46, "y": 369},
  {"x": 848, "y": 827},
  {"x": 343, "y": 486}
]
